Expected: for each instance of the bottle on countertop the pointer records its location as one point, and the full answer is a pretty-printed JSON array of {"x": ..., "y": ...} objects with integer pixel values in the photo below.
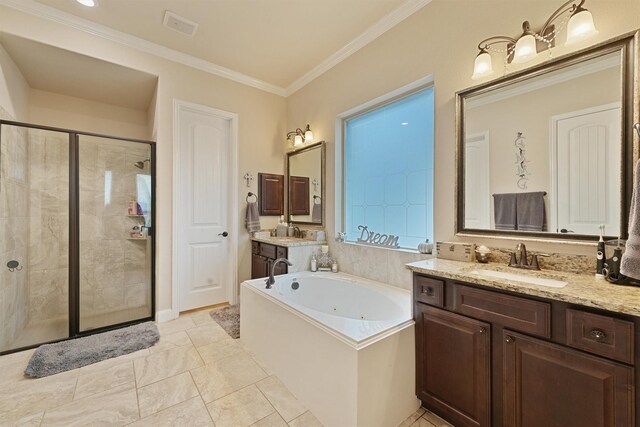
[
  {"x": 314, "y": 263},
  {"x": 281, "y": 228},
  {"x": 334, "y": 266}
]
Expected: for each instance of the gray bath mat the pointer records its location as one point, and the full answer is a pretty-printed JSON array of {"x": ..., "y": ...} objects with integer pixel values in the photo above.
[
  {"x": 229, "y": 318},
  {"x": 52, "y": 359}
]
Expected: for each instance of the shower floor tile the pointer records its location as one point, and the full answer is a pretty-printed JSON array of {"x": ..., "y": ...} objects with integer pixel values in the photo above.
[{"x": 110, "y": 391}]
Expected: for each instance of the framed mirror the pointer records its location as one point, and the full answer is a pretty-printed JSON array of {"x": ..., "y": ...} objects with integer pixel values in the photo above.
[
  {"x": 548, "y": 151},
  {"x": 306, "y": 185}
]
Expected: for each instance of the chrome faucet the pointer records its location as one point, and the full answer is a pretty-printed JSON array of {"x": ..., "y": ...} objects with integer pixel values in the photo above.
[
  {"x": 270, "y": 280},
  {"x": 521, "y": 260}
]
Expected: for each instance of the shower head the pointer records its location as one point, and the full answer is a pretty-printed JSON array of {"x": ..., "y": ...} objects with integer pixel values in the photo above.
[{"x": 140, "y": 165}]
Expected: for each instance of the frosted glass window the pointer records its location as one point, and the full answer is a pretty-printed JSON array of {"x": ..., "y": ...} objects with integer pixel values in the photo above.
[{"x": 388, "y": 171}]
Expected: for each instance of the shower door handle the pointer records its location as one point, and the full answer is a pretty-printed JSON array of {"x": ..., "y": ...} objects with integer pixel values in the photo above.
[{"x": 223, "y": 234}]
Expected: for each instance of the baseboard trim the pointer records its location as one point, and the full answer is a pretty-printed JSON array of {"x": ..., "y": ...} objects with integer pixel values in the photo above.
[{"x": 165, "y": 315}]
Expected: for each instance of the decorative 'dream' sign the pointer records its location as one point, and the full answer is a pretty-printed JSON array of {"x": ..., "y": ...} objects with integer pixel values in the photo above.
[{"x": 372, "y": 238}]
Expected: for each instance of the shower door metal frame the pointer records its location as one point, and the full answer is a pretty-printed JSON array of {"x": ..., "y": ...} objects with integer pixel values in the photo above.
[{"x": 74, "y": 231}]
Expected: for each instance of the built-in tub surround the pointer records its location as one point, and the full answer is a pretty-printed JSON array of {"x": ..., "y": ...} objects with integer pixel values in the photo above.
[
  {"x": 581, "y": 289},
  {"x": 342, "y": 344}
]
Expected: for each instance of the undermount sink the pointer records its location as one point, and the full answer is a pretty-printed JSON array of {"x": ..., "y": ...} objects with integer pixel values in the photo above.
[{"x": 522, "y": 278}]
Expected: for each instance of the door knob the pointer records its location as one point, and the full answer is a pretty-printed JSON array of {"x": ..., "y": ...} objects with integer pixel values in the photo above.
[{"x": 223, "y": 234}]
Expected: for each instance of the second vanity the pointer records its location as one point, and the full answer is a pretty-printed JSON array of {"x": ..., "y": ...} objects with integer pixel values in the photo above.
[
  {"x": 264, "y": 251},
  {"x": 495, "y": 352}
]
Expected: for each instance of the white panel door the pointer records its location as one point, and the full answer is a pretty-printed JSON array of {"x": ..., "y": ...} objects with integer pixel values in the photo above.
[
  {"x": 203, "y": 251},
  {"x": 588, "y": 171},
  {"x": 477, "y": 198}
]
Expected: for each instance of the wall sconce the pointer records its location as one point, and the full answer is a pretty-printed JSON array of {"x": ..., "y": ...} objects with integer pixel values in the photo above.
[
  {"x": 300, "y": 136},
  {"x": 579, "y": 23}
]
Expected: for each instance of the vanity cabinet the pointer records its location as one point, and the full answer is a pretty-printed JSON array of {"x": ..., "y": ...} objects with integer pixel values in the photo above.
[
  {"x": 497, "y": 358},
  {"x": 262, "y": 257}
]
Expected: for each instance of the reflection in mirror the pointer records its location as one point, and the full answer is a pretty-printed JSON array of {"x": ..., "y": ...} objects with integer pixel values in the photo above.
[
  {"x": 544, "y": 152},
  {"x": 305, "y": 173}
]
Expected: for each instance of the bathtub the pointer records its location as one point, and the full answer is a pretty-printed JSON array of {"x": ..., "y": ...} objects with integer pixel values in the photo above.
[{"x": 343, "y": 345}]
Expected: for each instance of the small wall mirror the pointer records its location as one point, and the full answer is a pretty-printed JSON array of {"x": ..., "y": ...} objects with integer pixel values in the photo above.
[
  {"x": 306, "y": 184},
  {"x": 548, "y": 151}
]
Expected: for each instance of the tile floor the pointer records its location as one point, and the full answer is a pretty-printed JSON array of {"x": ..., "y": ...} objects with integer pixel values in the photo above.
[{"x": 195, "y": 376}]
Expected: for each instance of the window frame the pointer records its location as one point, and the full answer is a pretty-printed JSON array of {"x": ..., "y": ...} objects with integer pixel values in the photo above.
[{"x": 340, "y": 132}]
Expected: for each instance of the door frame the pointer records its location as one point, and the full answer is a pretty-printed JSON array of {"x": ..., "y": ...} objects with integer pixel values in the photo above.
[
  {"x": 483, "y": 137},
  {"x": 552, "y": 221},
  {"x": 178, "y": 107}
]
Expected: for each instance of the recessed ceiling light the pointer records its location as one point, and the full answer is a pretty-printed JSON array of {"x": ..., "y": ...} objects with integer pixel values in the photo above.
[
  {"x": 404, "y": 123},
  {"x": 89, "y": 3}
]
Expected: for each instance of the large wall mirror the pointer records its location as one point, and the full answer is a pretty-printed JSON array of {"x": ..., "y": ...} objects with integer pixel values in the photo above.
[
  {"x": 549, "y": 151},
  {"x": 306, "y": 184}
]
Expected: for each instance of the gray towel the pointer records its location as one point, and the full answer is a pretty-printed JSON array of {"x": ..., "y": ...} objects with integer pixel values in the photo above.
[
  {"x": 530, "y": 214},
  {"x": 252, "y": 219},
  {"x": 630, "y": 264},
  {"x": 316, "y": 212},
  {"x": 504, "y": 211}
]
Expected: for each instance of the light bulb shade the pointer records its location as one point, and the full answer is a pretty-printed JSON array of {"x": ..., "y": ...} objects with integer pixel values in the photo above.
[
  {"x": 297, "y": 141},
  {"x": 525, "y": 49},
  {"x": 482, "y": 66},
  {"x": 308, "y": 136},
  {"x": 89, "y": 3},
  {"x": 580, "y": 27}
]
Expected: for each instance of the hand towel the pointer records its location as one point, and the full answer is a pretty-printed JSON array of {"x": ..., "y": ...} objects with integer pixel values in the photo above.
[
  {"x": 504, "y": 211},
  {"x": 630, "y": 264},
  {"x": 530, "y": 215},
  {"x": 316, "y": 212},
  {"x": 252, "y": 219}
]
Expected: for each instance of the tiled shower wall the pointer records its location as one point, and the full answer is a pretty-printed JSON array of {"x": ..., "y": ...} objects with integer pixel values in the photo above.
[
  {"x": 14, "y": 220},
  {"x": 113, "y": 268}
]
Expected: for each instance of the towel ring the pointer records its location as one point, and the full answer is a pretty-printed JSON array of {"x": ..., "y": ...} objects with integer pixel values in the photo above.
[
  {"x": 251, "y": 195},
  {"x": 317, "y": 198}
]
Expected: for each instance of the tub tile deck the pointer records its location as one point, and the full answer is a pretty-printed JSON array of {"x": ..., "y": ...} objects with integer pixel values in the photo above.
[{"x": 172, "y": 384}]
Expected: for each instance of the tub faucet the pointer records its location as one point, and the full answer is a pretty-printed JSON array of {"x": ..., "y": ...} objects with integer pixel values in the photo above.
[{"x": 270, "y": 280}]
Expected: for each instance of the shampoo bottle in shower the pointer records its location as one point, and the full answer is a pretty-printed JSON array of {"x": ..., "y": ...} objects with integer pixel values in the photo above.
[{"x": 600, "y": 255}]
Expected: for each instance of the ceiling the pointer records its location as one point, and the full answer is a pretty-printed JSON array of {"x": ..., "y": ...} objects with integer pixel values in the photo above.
[
  {"x": 57, "y": 70},
  {"x": 274, "y": 41}
]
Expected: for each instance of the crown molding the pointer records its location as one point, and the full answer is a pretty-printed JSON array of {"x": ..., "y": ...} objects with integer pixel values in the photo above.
[
  {"x": 40, "y": 10},
  {"x": 407, "y": 9},
  {"x": 46, "y": 12}
]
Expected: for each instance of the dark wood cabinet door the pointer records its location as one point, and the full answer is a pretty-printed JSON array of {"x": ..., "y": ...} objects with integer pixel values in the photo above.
[
  {"x": 549, "y": 385},
  {"x": 453, "y": 366},
  {"x": 270, "y": 194},
  {"x": 299, "y": 194},
  {"x": 259, "y": 266}
]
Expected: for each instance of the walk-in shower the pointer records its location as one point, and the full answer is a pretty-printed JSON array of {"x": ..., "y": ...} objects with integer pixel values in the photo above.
[{"x": 76, "y": 233}]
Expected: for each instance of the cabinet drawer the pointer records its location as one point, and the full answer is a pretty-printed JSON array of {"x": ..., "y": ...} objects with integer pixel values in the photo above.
[
  {"x": 267, "y": 250},
  {"x": 602, "y": 335},
  {"x": 255, "y": 248},
  {"x": 429, "y": 291},
  {"x": 521, "y": 314},
  {"x": 281, "y": 252}
]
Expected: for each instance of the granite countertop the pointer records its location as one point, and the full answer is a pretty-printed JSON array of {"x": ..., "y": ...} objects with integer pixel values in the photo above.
[
  {"x": 581, "y": 289},
  {"x": 289, "y": 242}
]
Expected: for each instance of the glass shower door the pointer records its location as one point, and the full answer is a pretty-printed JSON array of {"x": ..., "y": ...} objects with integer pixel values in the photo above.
[
  {"x": 34, "y": 236},
  {"x": 115, "y": 239}
]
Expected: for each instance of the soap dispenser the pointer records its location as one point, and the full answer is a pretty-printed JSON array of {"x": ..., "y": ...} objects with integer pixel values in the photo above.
[{"x": 281, "y": 229}]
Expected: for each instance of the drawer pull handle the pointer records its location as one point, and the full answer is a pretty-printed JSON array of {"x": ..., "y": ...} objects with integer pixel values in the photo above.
[
  {"x": 509, "y": 339},
  {"x": 597, "y": 335},
  {"x": 482, "y": 330},
  {"x": 427, "y": 290}
]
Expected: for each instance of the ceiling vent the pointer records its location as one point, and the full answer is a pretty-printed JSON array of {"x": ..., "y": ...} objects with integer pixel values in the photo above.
[{"x": 179, "y": 24}]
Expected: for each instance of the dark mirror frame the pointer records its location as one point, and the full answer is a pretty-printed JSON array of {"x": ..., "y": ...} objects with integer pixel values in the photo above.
[
  {"x": 323, "y": 182},
  {"x": 628, "y": 46}
]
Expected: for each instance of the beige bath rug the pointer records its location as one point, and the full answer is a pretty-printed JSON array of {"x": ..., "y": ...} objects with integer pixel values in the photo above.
[{"x": 229, "y": 318}]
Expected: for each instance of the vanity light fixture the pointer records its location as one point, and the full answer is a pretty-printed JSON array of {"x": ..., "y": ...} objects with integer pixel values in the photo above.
[
  {"x": 88, "y": 3},
  {"x": 577, "y": 19},
  {"x": 300, "y": 136}
]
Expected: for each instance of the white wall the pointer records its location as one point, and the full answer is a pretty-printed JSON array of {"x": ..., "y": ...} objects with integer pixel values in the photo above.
[
  {"x": 440, "y": 40},
  {"x": 261, "y": 124},
  {"x": 14, "y": 90}
]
